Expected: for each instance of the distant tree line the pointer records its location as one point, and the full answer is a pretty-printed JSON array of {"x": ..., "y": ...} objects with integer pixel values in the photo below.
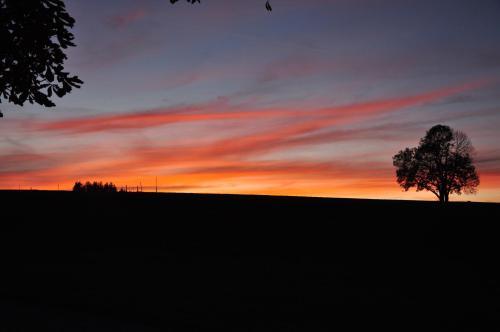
[{"x": 94, "y": 187}]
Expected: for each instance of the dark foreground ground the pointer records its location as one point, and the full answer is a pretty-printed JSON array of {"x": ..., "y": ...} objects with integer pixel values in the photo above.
[{"x": 158, "y": 262}]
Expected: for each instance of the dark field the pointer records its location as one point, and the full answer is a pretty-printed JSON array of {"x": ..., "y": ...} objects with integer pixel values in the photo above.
[{"x": 173, "y": 262}]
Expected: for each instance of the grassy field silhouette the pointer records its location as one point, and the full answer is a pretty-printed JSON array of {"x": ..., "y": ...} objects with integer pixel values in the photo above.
[{"x": 189, "y": 262}]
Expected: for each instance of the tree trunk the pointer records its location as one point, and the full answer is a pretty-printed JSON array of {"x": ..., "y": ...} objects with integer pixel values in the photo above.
[
  {"x": 444, "y": 192},
  {"x": 442, "y": 195}
]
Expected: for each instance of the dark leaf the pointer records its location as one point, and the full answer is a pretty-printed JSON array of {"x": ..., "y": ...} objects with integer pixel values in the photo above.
[
  {"x": 268, "y": 6},
  {"x": 59, "y": 92},
  {"x": 49, "y": 75},
  {"x": 23, "y": 97}
]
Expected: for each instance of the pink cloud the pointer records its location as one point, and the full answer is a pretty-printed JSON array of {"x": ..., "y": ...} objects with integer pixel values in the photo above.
[
  {"x": 294, "y": 67},
  {"x": 123, "y": 20},
  {"x": 310, "y": 119},
  {"x": 203, "y": 164},
  {"x": 211, "y": 111}
]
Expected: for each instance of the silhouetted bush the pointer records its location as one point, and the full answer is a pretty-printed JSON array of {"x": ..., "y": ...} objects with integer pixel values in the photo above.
[{"x": 94, "y": 187}]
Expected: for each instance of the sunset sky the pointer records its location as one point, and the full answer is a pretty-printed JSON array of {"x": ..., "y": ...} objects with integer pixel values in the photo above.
[{"x": 224, "y": 97}]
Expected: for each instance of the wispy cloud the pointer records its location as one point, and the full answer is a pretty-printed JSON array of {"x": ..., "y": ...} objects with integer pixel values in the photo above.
[
  {"x": 127, "y": 18},
  {"x": 310, "y": 119},
  {"x": 239, "y": 162},
  {"x": 211, "y": 111},
  {"x": 294, "y": 67}
]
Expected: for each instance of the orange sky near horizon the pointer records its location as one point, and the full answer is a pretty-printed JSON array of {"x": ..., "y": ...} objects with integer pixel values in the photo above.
[
  {"x": 243, "y": 160},
  {"x": 313, "y": 99}
]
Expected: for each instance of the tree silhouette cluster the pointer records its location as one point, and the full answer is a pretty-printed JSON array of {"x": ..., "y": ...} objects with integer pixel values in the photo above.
[
  {"x": 94, "y": 187},
  {"x": 441, "y": 164},
  {"x": 33, "y": 35}
]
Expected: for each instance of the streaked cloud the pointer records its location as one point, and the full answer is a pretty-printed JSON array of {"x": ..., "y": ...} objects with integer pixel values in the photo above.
[
  {"x": 317, "y": 98},
  {"x": 311, "y": 119},
  {"x": 127, "y": 18}
]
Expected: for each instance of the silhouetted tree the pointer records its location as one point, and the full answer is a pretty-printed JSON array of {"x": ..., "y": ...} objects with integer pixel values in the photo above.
[
  {"x": 78, "y": 187},
  {"x": 441, "y": 164},
  {"x": 268, "y": 5},
  {"x": 94, "y": 187},
  {"x": 33, "y": 34}
]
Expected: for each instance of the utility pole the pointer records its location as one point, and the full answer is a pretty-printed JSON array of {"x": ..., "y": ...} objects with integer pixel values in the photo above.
[{"x": 156, "y": 184}]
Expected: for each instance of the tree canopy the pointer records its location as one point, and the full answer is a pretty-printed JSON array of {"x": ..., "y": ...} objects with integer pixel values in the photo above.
[
  {"x": 441, "y": 164},
  {"x": 268, "y": 5},
  {"x": 33, "y": 36}
]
